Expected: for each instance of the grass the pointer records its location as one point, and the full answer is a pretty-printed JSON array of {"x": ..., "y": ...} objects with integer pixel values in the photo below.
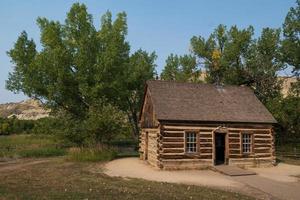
[
  {"x": 288, "y": 153},
  {"x": 58, "y": 179},
  {"x": 36, "y": 146},
  {"x": 42, "y": 152},
  {"x": 19, "y": 146},
  {"x": 288, "y": 160},
  {"x": 90, "y": 154}
]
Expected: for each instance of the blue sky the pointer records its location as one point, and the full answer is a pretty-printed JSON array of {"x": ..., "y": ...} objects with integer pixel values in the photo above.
[{"x": 154, "y": 25}]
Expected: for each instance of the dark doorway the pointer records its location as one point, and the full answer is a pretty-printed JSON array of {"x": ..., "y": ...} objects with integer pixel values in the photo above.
[
  {"x": 146, "y": 145},
  {"x": 220, "y": 149}
]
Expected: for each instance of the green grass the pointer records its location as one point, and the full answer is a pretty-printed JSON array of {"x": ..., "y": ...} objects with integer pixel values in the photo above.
[
  {"x": 90, "y": 154},
  {"x": 58, "y": 179},
  {"x": 42, "y": 152},
  {"x": 18, "y": 146}
]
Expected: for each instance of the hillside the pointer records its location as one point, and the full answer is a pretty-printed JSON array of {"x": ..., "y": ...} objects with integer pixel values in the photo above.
[{"x": 26, "y": 110}]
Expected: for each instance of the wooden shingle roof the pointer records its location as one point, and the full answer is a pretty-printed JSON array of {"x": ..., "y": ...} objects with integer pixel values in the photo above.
[{"x": 206, "y": 102}]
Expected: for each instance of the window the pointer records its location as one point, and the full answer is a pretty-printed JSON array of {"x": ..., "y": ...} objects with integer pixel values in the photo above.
[
  {"x": 246, "y": 143},
  {"x": 190, "y": 142}
]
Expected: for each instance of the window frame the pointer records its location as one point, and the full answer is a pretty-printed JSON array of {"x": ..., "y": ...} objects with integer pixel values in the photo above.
[
  {"x": 196, "y": 143},
  {"x": 248, "y": 143}
]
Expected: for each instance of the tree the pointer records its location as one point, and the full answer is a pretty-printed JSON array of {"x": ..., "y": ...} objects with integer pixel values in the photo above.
[
  {"x": 181, "y": 68},
  {"x": 78, "y": 65},
  {"x": 142, "y": 68},
  {"x": 262, "y": 65},
  {"x": 223, "y": 53},
  {"x": 234, "y": 57},
  {"x": 291, "y": 41}
]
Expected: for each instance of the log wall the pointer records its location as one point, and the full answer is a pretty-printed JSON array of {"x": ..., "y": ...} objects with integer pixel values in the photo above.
[
  {"x": 166, "y": 146},
  {"x": 149, "y": 143}
]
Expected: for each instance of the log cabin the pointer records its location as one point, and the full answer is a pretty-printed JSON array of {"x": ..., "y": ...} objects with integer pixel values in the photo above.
[{"x": 194, "y": 126}]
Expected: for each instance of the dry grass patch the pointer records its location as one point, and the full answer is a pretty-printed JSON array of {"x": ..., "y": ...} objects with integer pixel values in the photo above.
[{"x": 59, "y": 179}]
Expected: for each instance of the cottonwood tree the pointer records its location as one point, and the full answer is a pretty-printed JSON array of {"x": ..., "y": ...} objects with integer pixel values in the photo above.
[
  {"x": 181, "y": 68},
  {"x": 291, "y": 44},
  {"x": 78, "y": 65},
  {"x": 291, "y": 41},
  {"x": 233, "y": 56}
]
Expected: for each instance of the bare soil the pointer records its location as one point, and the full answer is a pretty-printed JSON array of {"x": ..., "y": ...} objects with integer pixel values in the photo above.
[{"x": 267, "y": 184}]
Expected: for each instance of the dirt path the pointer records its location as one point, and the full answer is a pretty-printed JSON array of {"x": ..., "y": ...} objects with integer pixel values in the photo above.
[
  {"x": 270, "y": 183},
  {"x": 281, "y": 190},
  {"x": 19, "y": 164},
  {"x": 135, "y": 168}
]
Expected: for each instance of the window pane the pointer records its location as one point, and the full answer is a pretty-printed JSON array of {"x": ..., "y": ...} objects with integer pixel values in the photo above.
[
  {"x": 246, "y": 143},
  {"x": 191, "y": 142}
]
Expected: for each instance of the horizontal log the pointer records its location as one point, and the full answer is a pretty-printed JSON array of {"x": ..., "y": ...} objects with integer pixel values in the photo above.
[
  {"x": 205, "y": 145},
  {"x": 205, "y": 137},
  {"x": 265, "y": 134},
  {"x": 177, "y": 131},
  {"x": 234, "y": 140},
  {"x": 172, "y": 134},
  {"x": 205, "y": 154},
  {"x": 262, "y": 154},
  {"x": 234, "y": 134},
  {"x": 173, "y": 139},
  {"x": 179, "y": 145},
  {"x": 250, "y": 159},
  {"x": 232, "y": 146},
  {"x": 173, "y": 150},
  {"x": 261, "y": 142},
  {"x": 164, "y": 142},
  {"x": 205, "y": 151},
  {"x": 263, "y": 138},
  {"x": 248, "y": 129},
  {"x": 262, "y": 145},
  {"x": 234, "y": 151},
  {"x": 261, "y": 148},
  {"x": 206, "y": 133},
  {"x": 205, "y": 140},
  {"x": 261, "y": 151},
  {"x": 187, "y": 127},
  {"x": 205, "y": 148}
]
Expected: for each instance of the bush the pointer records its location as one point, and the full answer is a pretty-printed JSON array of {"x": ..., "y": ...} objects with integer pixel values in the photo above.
[
  {"x": 91, "y": 154},
  {"x": 42, "y": 152},
  {"x": 13, "y": 125}
]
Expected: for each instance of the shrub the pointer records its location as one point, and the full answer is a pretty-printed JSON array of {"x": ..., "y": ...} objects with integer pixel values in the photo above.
[{"x": 91, "y": 154}]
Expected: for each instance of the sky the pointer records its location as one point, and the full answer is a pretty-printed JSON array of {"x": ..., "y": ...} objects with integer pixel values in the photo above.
[{"x": 154, "y": 25}]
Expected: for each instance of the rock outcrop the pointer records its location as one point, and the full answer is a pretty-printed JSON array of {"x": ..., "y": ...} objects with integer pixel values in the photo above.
[{"x": 25, "y": 110}]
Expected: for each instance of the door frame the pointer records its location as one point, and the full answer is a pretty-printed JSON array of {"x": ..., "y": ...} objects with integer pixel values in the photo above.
[
  {"x": 226, "y": 148},
  {"x": 146, "y": 145}
]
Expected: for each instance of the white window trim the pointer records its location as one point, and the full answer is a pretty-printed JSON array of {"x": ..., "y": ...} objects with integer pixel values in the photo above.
[
  {"x": 186, "y": 142},
  {"x": 249, "y": 142}
]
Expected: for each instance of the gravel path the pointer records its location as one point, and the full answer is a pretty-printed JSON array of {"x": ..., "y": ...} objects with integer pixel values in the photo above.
[{"x": 270, "y": 183}]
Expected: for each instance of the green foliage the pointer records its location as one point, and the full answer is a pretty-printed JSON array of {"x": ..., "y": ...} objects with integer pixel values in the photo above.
[
  {"x": 223, "y": 53},
  {"x": 79, "y": 65},
  {"x": 104, "y": 122},
  {"x": 91, "y": 154},
  {"x": 287, "y": 112},
  {"x": 15, "y": 126},
  {"x": 142, "y": 68},
  {"x": 233, "y": 56},
  {"x": 291, "y": 41},
  {"x": 181, "y": 68}
]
